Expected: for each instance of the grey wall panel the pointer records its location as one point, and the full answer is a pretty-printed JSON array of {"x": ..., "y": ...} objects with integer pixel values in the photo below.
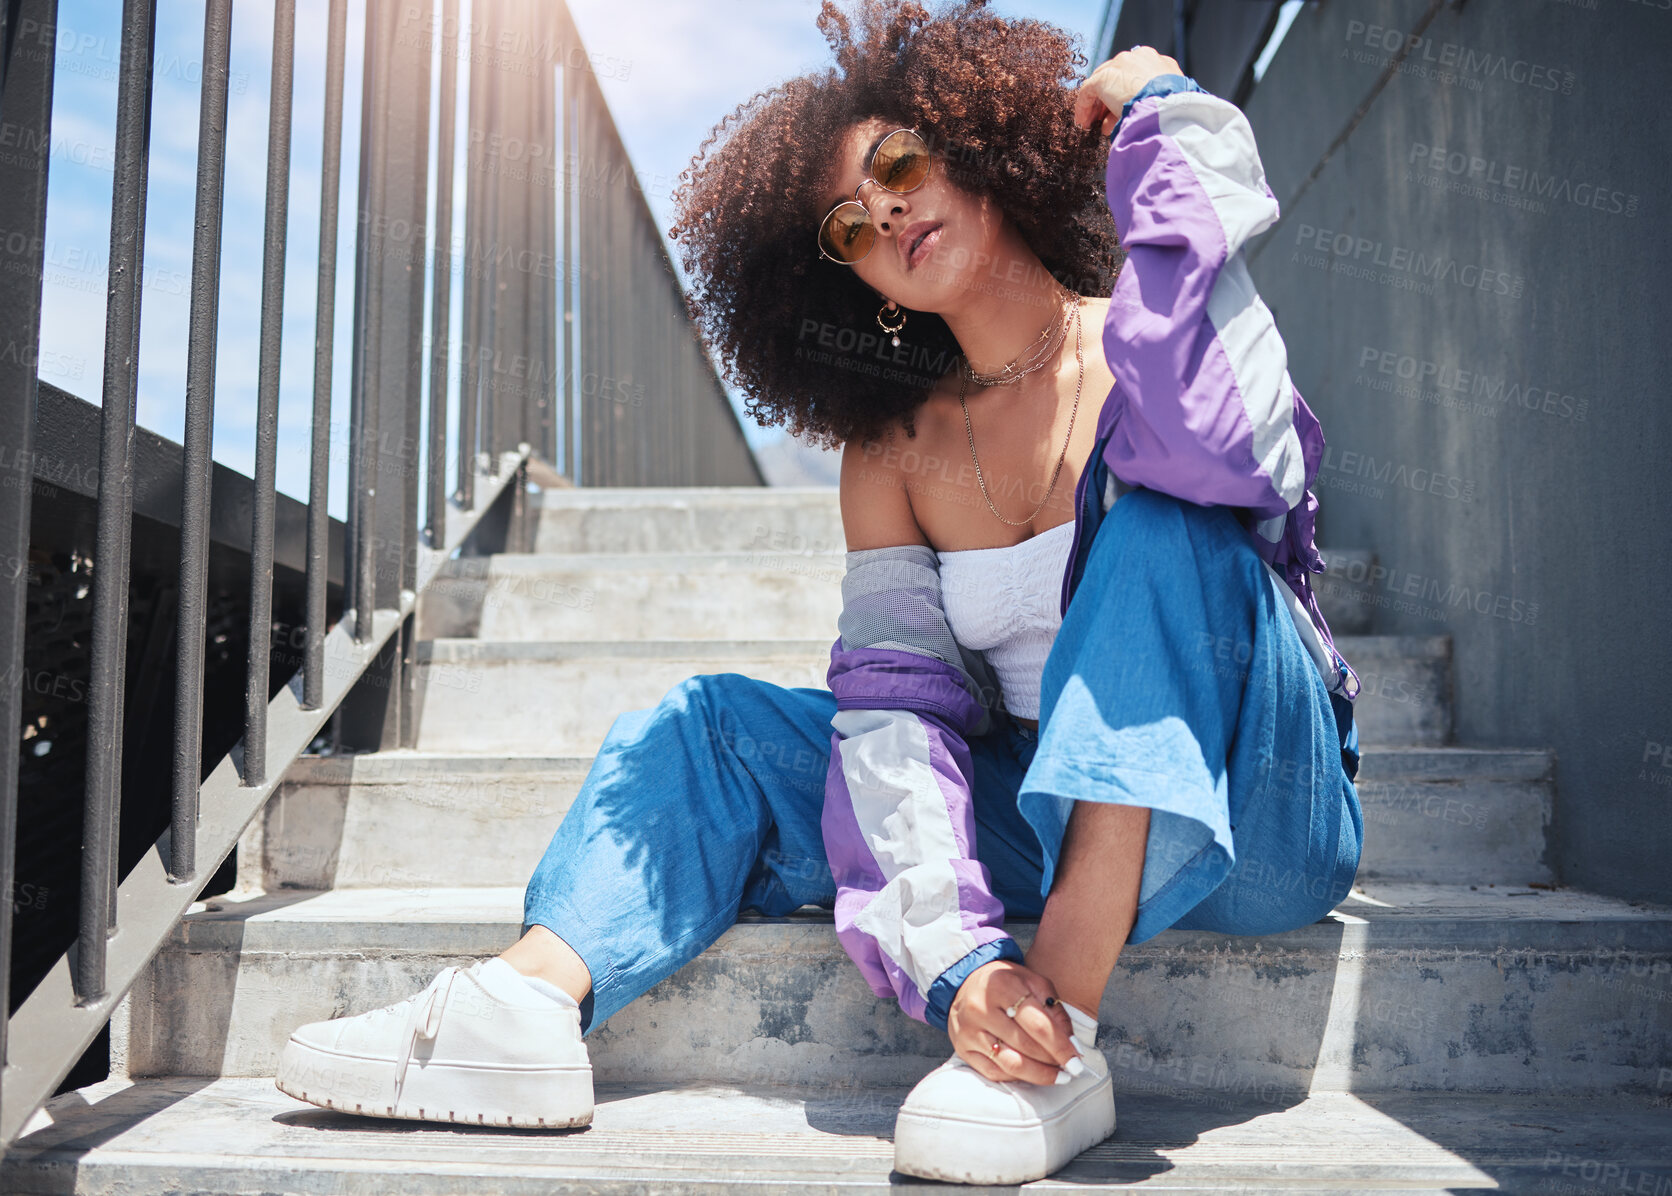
[{"x": 1473, "y": 291}]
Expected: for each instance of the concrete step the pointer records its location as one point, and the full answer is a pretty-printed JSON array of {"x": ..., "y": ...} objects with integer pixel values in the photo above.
[
  {"x": 404, "y": 819},
  {"x": 560, "y": 697},
  {"x": 1406, "y": 699},
  {"x": 778, "y": 519},
  {"x": 243, "y": 1135},
  {"x": 760, "y": 591},
  {"x": 409, "y": 819},
  {"x": 1456, "y": 815},
  {"x": 1403, "y": 988},
  {"x": 622, "y": 596}
]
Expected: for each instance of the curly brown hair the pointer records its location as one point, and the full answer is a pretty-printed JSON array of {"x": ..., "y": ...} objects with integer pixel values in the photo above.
[{"x": 992, "y": 95}]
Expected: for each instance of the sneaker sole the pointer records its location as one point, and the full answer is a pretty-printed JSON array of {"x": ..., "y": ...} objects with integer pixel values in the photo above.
[
  {"x": 984, "y": 1152},
  {"x": 560, "y": 1096}
]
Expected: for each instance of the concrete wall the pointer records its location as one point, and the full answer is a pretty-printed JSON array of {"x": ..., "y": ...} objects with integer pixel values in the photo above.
[{"x": 1486, "y": 334}]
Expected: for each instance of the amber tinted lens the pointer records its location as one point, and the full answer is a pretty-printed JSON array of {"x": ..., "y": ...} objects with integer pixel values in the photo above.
[
  {"x": 847, "y": 234},
  {"x": 902, "y": 161}
]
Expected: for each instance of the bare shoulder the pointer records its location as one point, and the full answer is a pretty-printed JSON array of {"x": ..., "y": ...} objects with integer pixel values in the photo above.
[{"x": 876, "y": 510}]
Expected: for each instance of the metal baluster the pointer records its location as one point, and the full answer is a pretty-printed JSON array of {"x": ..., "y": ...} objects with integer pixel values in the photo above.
[
  {"x": 441, "y": 306},
  {"x": 566, "y": 276},
  {"x": 325, "y": 319},
  {"x": 363, "y": 445},
  {"x": 196, "y": 466},
  {"x": 476, "y": 291},
  {"x": 102, "y": 804},
  {"x": 257, "y": 674},
  {"x": 25, "y": 110}
]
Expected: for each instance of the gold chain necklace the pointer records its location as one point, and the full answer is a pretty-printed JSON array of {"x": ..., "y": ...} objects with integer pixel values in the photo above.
[
  {"x": 1079, "y": 357},
  {"x": 1037, "y": 354}
]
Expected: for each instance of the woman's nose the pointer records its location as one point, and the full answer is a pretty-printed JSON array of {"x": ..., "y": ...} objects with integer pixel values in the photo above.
[{"x": 888, "y": 209}]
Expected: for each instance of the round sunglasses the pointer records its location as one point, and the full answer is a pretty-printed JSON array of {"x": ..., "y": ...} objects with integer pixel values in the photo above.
[{"x": 899, "y": 164}]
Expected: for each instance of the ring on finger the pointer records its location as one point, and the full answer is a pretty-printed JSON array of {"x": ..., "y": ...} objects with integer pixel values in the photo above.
[
  {"x": 1010, "y": 1010},
  {"x": 997, "y": 1043}
]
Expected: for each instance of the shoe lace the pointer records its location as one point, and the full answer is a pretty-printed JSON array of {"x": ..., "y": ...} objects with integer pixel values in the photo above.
[{"x": 423, "y": 1019}]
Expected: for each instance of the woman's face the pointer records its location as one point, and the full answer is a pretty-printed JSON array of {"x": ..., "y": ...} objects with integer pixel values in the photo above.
[{"x": 933, "y": 244}]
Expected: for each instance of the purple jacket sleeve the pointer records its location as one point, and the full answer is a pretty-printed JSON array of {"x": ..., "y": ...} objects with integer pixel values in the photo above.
[
  {"x": 914, "y": 907},
  {"x": 1204, "y": 408},
  {"x": 1209, "y": 413}
]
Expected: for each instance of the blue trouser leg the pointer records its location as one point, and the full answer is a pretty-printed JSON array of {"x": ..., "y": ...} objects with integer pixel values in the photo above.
[
  {"x": 1178, "y": 681},
  {"x": 700, "y": 806},
  {"x": 707, "y": 804}
]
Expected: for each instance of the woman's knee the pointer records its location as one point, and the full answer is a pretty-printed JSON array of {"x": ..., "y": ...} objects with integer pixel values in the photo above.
[
  {"x": 763, "y": 725},
  {"x": 1149, "y": 511},
  {"x": 1161, "y": 537},
  {"x": 1161, "y": 518}
]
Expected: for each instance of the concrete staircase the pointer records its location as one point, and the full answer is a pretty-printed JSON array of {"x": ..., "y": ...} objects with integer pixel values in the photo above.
[{"x": 1461, "y": 1021}]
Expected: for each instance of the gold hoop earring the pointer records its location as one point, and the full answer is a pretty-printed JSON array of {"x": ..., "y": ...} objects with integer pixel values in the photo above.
[{"x": 893, "y": 329}]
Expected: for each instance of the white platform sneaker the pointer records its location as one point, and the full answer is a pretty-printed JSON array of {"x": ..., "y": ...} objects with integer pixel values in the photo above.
[
  {"x": 480, "y": 1046},
  {"x": 958, "y": 1125}
]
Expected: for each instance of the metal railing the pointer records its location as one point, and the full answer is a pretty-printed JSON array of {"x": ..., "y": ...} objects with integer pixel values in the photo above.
[{"x": 626, "y": 398}]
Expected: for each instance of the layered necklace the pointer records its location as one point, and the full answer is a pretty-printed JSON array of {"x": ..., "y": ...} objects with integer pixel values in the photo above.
[{"x": 1040, "y": 353}]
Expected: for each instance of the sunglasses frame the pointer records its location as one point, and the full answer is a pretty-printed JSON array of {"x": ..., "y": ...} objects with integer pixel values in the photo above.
[{"x": 871, "y": 177}]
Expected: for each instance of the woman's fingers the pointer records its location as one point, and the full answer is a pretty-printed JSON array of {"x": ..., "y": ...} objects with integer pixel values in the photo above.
[
  {"x": 985, "y": 1066},
  {"x": 1088, "y": 106},
  {"x": 1037, "y": 1042},
  {"x": 1017, "y": 1060},
  {"x": 1049, "y": 1029},
  {"x": 1002, "y": 1004},
  {"x": 1106, "y": 89}
]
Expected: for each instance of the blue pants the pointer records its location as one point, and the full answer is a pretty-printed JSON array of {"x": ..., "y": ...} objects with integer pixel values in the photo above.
[{"x": 1177, "y": 681}]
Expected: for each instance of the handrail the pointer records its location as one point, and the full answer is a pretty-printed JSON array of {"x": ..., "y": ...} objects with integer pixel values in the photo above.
[
  {"x": 51, "y": 1029},
  {"x": 676, "y": 426}
]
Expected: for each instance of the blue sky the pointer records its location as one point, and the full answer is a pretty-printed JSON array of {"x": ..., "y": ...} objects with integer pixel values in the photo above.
[{"x": 678, "y": 71}]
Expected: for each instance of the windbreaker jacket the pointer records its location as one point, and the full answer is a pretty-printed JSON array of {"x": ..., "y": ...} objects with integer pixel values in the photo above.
[{"x": 1203, "y": 408}]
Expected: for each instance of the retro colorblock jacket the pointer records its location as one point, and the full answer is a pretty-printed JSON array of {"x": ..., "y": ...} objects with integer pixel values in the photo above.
[{"x": 1202, "y": 408}]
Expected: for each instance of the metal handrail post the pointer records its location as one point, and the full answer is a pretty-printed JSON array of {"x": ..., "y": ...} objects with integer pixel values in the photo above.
[
  {"x": 259, "y": 670},
  {"x": 325, "y": 319},
  {"x": 25, "y": 108},
  {"x": 102, "y": 806}
]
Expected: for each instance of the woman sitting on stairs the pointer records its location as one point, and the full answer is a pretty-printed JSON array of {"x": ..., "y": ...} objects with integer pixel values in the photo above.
[{"x": 1175, "y": 748}]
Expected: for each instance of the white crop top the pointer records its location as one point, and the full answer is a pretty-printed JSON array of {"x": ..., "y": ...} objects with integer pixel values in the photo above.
[{"x": 1005, "y": 603}]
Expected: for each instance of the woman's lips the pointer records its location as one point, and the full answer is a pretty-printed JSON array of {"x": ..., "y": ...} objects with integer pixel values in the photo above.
[{"x": 926, "y": 242}]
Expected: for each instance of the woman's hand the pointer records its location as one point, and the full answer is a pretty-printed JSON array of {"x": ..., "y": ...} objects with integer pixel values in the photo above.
[
  {"x": 1036, "y": 1041},
  {"x": 1106, "y": 89}
]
